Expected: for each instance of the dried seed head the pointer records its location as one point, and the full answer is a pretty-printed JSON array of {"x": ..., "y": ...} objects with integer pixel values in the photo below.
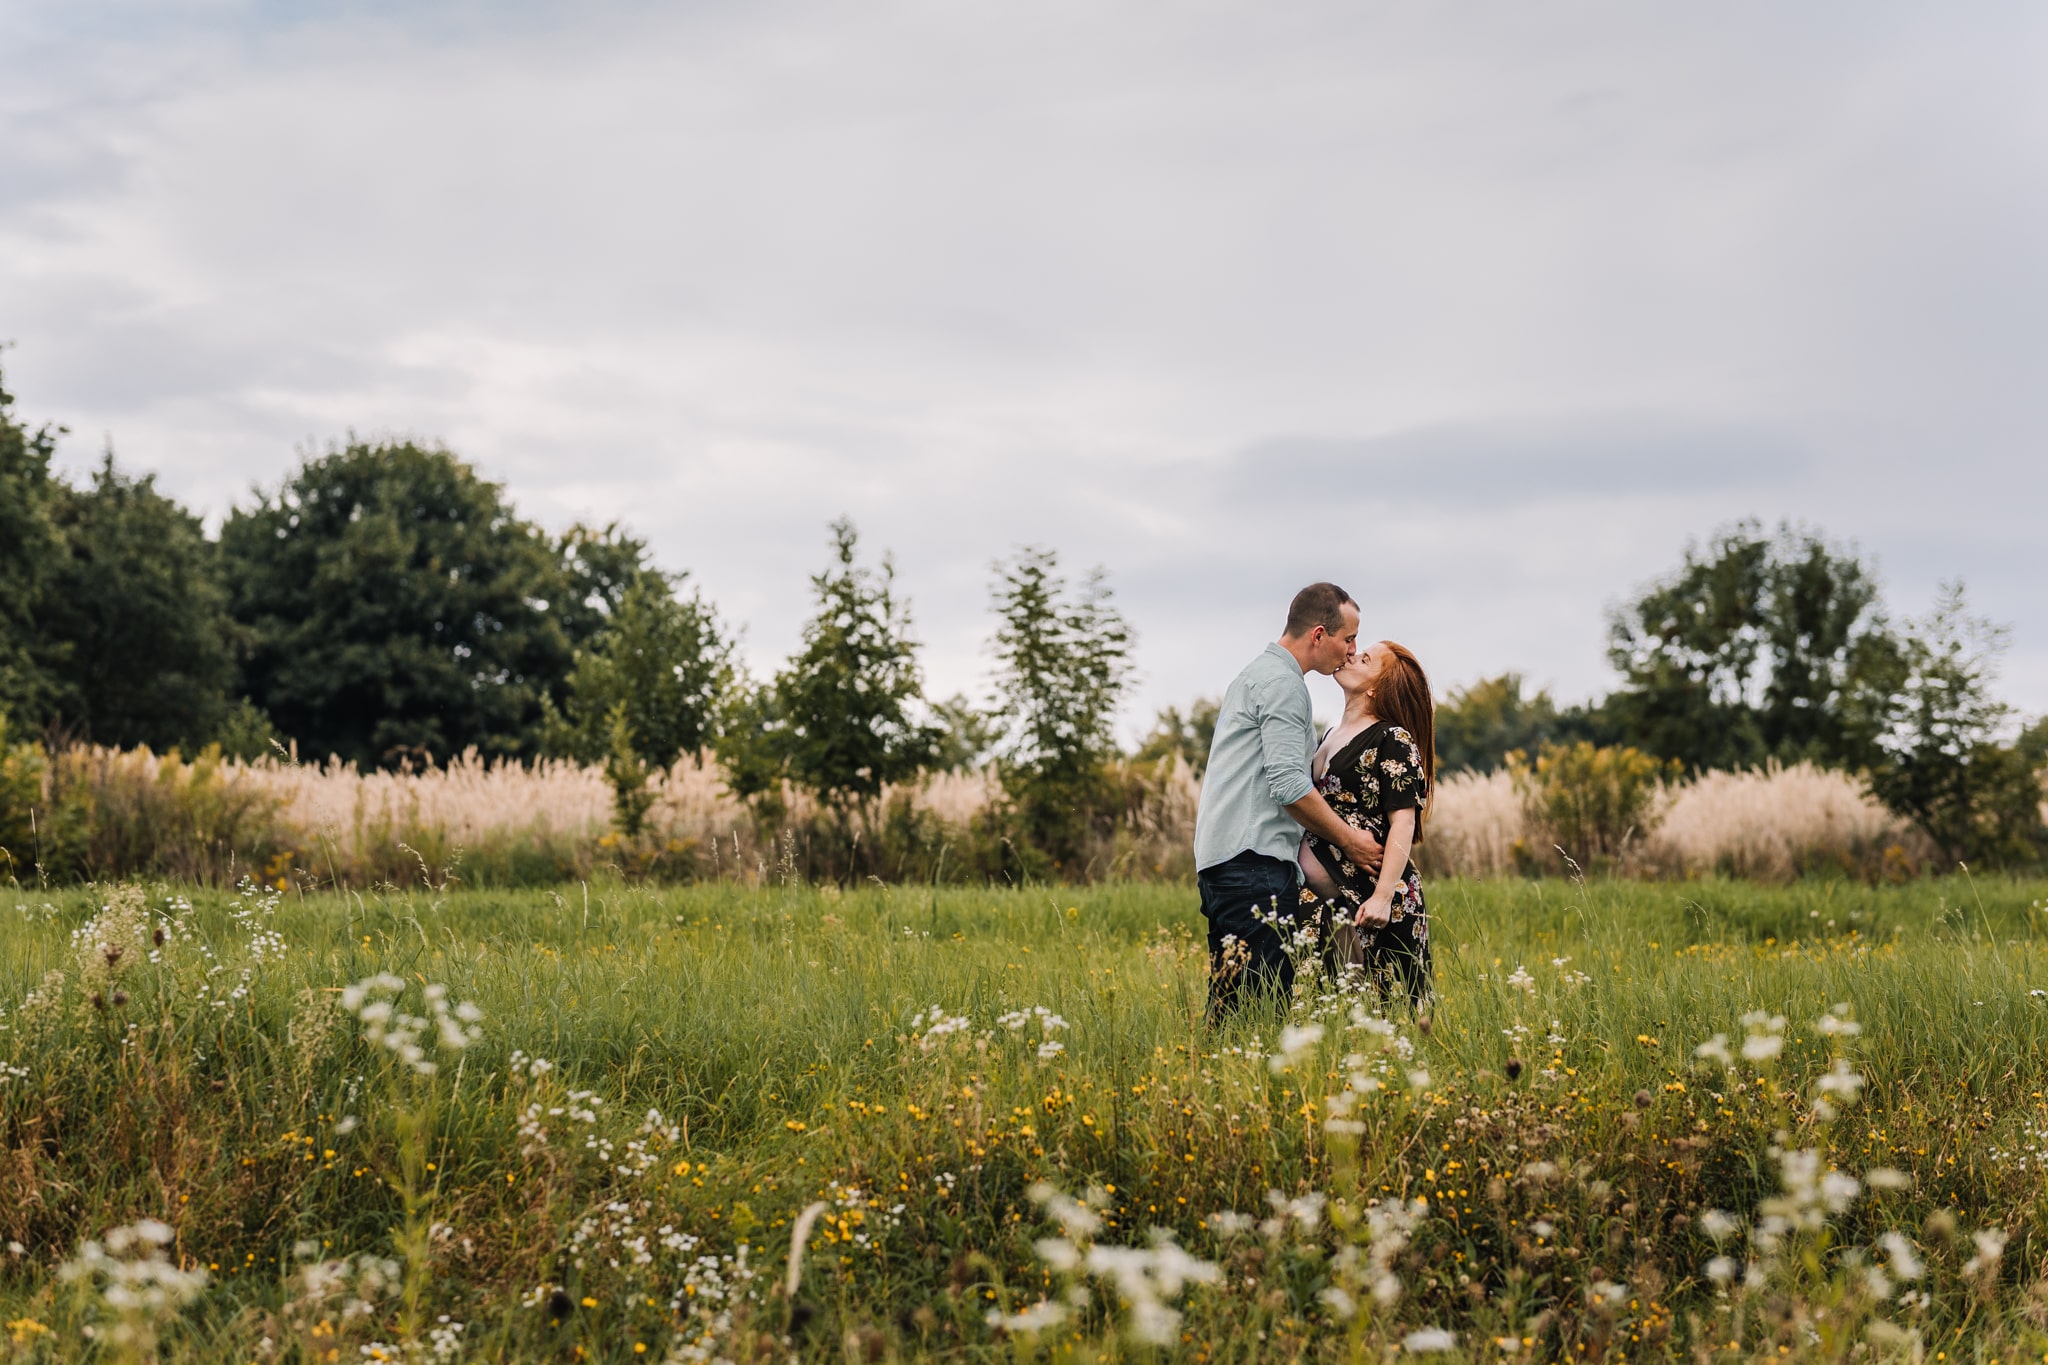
[
  {"x": 99, "y": 1002},
  {"x": 1514, "y": 1068},
  {"x": 1423, "y": 1025},
  {"x": 120, "y": 998},
  {"x": 112, "y": 953},
  {"x": 1642, "y": 1099},
  {"x": 157, "y": 936},
  {"x": 560, "y": 1304}
]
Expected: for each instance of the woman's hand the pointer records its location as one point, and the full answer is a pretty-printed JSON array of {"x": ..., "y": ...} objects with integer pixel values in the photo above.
[{"x": 1376, "y": 913}]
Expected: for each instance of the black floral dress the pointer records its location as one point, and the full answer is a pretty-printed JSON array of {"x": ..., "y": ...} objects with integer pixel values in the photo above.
[{"x": 1379, "y": 771}]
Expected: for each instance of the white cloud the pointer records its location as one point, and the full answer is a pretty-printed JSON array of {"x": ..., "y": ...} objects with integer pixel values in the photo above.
[{"x": 1534, "y": 295}]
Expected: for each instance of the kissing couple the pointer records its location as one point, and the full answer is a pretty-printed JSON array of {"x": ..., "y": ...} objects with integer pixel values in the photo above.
[{"x": 1298, "y": 837}]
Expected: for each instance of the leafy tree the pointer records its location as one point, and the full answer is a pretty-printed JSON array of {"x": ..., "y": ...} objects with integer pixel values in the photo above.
[
  {"x": 600, "y": 566},
  {"x": 29, "y": 544},
  {"x": 137, "y": 580},
  {"x": 396, "y": 607},
  {"x": 1186, "y": 737},
  {"x": 1932, "y": 726},
  {"x": 661, "y": 661},
  {"x": 1063, "y": 664},
  {"x": 1750, "y": 651},
  {"x": 1477, "y": 726},
  {"x": 968, "y": 735},
  {"x": 752, "y": 747},
  {"x": 847, "y": 698}
]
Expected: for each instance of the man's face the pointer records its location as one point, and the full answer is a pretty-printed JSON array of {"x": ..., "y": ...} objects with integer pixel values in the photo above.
[{"x": 1327, "y": 652}]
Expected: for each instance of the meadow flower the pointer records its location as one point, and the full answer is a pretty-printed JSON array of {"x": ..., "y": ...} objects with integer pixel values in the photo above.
[
  {"x": 1990, "y": 1248},
  {"x": 1905, "y": 1263},
  {"x": 1037, "y": 1318},
  {"x": 1429, "y": 1339},
  {"x": 1715, "y": 1049},
  {"x": 1719, "y": 1225},
  {"x": 1294, "y": 1042}
]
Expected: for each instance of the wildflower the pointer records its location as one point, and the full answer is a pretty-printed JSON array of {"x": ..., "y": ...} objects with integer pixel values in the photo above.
[
  {"x": 1887, "y": 1178},
  {"x": 1039, "y": 1316},
  {"x": 1719, "y": 1225},
  {"x": 1229, "y": 1223},
  {"x": 1339, "y": 1302},
  {"x": 1836, "y": 1023},
  {"x": 1513, "y": 1068},
  {"x": 1418, "y": 1080},
  {"x": 1294, "y": 1042},
  {"x": 1050, "y": 1049},
  {"x": 1429, "y": 1339},
  {"x": 1715, "y": 1049},
  {"x": 1521, "y": 978},
  {"x": 1761, "y": 1047},
  {"x": 1990, "y": 1248},
  {"x": 1905, "y": 1264},
  {"x": 1721, "y": 1270}
]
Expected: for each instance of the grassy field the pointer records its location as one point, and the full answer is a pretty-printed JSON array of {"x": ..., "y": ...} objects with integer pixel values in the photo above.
[{"x": 973, "y": 1109}]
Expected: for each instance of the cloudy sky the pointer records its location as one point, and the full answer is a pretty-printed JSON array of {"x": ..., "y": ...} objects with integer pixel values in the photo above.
[{"x": 1482, "y": 311}]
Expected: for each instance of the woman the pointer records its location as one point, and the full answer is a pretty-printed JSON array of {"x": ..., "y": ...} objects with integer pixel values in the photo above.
[{"x": 1376, "y": 768}]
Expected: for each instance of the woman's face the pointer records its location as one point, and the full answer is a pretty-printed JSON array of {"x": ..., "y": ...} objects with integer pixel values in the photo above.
[{"x": 1362, "y": 672}]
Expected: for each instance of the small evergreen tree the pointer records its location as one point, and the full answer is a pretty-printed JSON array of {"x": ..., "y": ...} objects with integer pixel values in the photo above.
[
  {"x": 847, "y": 702},
  {"x": 1063, "y": 665}
]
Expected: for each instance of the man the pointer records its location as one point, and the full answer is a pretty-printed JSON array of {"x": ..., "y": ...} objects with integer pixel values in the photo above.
[{"x": 1257, "y": 797}]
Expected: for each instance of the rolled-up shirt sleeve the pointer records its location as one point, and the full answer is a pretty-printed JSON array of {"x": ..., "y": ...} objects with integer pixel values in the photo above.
[{"x": 1285, "y": 725}]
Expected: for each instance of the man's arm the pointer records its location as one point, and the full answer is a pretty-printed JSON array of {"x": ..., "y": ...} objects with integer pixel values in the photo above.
[
  {"x": 1284, "y": 736},
  {"x": 1314, "y": 814}
]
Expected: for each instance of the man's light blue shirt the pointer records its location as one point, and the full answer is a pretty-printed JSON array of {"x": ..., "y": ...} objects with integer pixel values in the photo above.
[{"x": 1258, "y": 764}]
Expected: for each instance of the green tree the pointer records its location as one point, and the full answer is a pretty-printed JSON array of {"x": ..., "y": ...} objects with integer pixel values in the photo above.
[
  {"x": 847, "y": 700},
  {"x": 1063, "y": 664},
  {"x": 1750, "y": 651},
  {"x": 599, "y": 566},
  {"x": 29, "y": 546},
  {"x": 752, "y": 747},
  {"x": 968, "y": 735},
  {"x": 136, "y": 580},
  {"x": 396, "y": 607},
  {"x": 662, "y": 661},
  {"x": 1477, "y": 726},
  {"x": 1931, "y": 727},
  {"x": 1184, "y": 736}
]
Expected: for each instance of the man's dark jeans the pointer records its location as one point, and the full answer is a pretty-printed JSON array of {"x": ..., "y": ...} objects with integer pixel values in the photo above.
[{"x": 1235, "y": 894}]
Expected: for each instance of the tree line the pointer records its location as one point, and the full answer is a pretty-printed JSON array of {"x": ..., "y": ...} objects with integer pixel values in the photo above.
[{"x": 386, "y": 605}]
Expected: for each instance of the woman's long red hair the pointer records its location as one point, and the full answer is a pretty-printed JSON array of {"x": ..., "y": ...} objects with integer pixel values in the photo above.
[{"x": 1401, "y": 695}]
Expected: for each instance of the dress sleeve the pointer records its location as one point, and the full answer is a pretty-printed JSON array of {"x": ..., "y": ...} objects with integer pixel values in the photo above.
[{"x": 1398, "y": 764}]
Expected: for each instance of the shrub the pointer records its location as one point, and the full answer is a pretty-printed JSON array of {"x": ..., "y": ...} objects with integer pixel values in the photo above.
[{"x": 1590, "y": 802}]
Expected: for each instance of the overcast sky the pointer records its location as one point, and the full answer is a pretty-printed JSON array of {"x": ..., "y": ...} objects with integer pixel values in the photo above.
[{"x": 1481, "y": 311}]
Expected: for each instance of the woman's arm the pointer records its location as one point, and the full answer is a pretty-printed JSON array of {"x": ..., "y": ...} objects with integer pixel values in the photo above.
[{"x": 1377, "y": 912}]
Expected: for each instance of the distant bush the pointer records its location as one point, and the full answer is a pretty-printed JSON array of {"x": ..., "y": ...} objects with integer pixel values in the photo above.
[{"x": 1589, "y": 802}]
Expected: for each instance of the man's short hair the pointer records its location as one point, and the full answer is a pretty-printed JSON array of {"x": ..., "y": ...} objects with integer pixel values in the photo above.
[{"x": 1318, "y": 604}]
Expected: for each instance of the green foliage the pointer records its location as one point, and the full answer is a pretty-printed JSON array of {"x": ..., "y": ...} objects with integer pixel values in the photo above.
[
  {"x": 968, "y": 735},
  {"x": 1754, "y": 649},
  {"x": 29, "y": 547},
  {"x": 846, "y": 701},
  {"x": 1183, "y": 737},
  {"x": 1590, "y": 801},
  {"x": 599, "y": 567},
  {"x": 396, "y": 607},
  {"x": 660, "y": 659},
  {"x": 1477, "y": 726},
  {"x": 627, "y": 773},
  {"x": 752, "y": 748},
  {"x": 138, "y": 584},
  {"x": 1062, "y": 665},
  {"x": 1933, "y": 752},
  {"x": 21, "y": 791}
]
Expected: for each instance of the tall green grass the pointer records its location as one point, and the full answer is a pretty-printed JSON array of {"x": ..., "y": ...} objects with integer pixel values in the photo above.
[{"x": 216, "y": 1083}]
